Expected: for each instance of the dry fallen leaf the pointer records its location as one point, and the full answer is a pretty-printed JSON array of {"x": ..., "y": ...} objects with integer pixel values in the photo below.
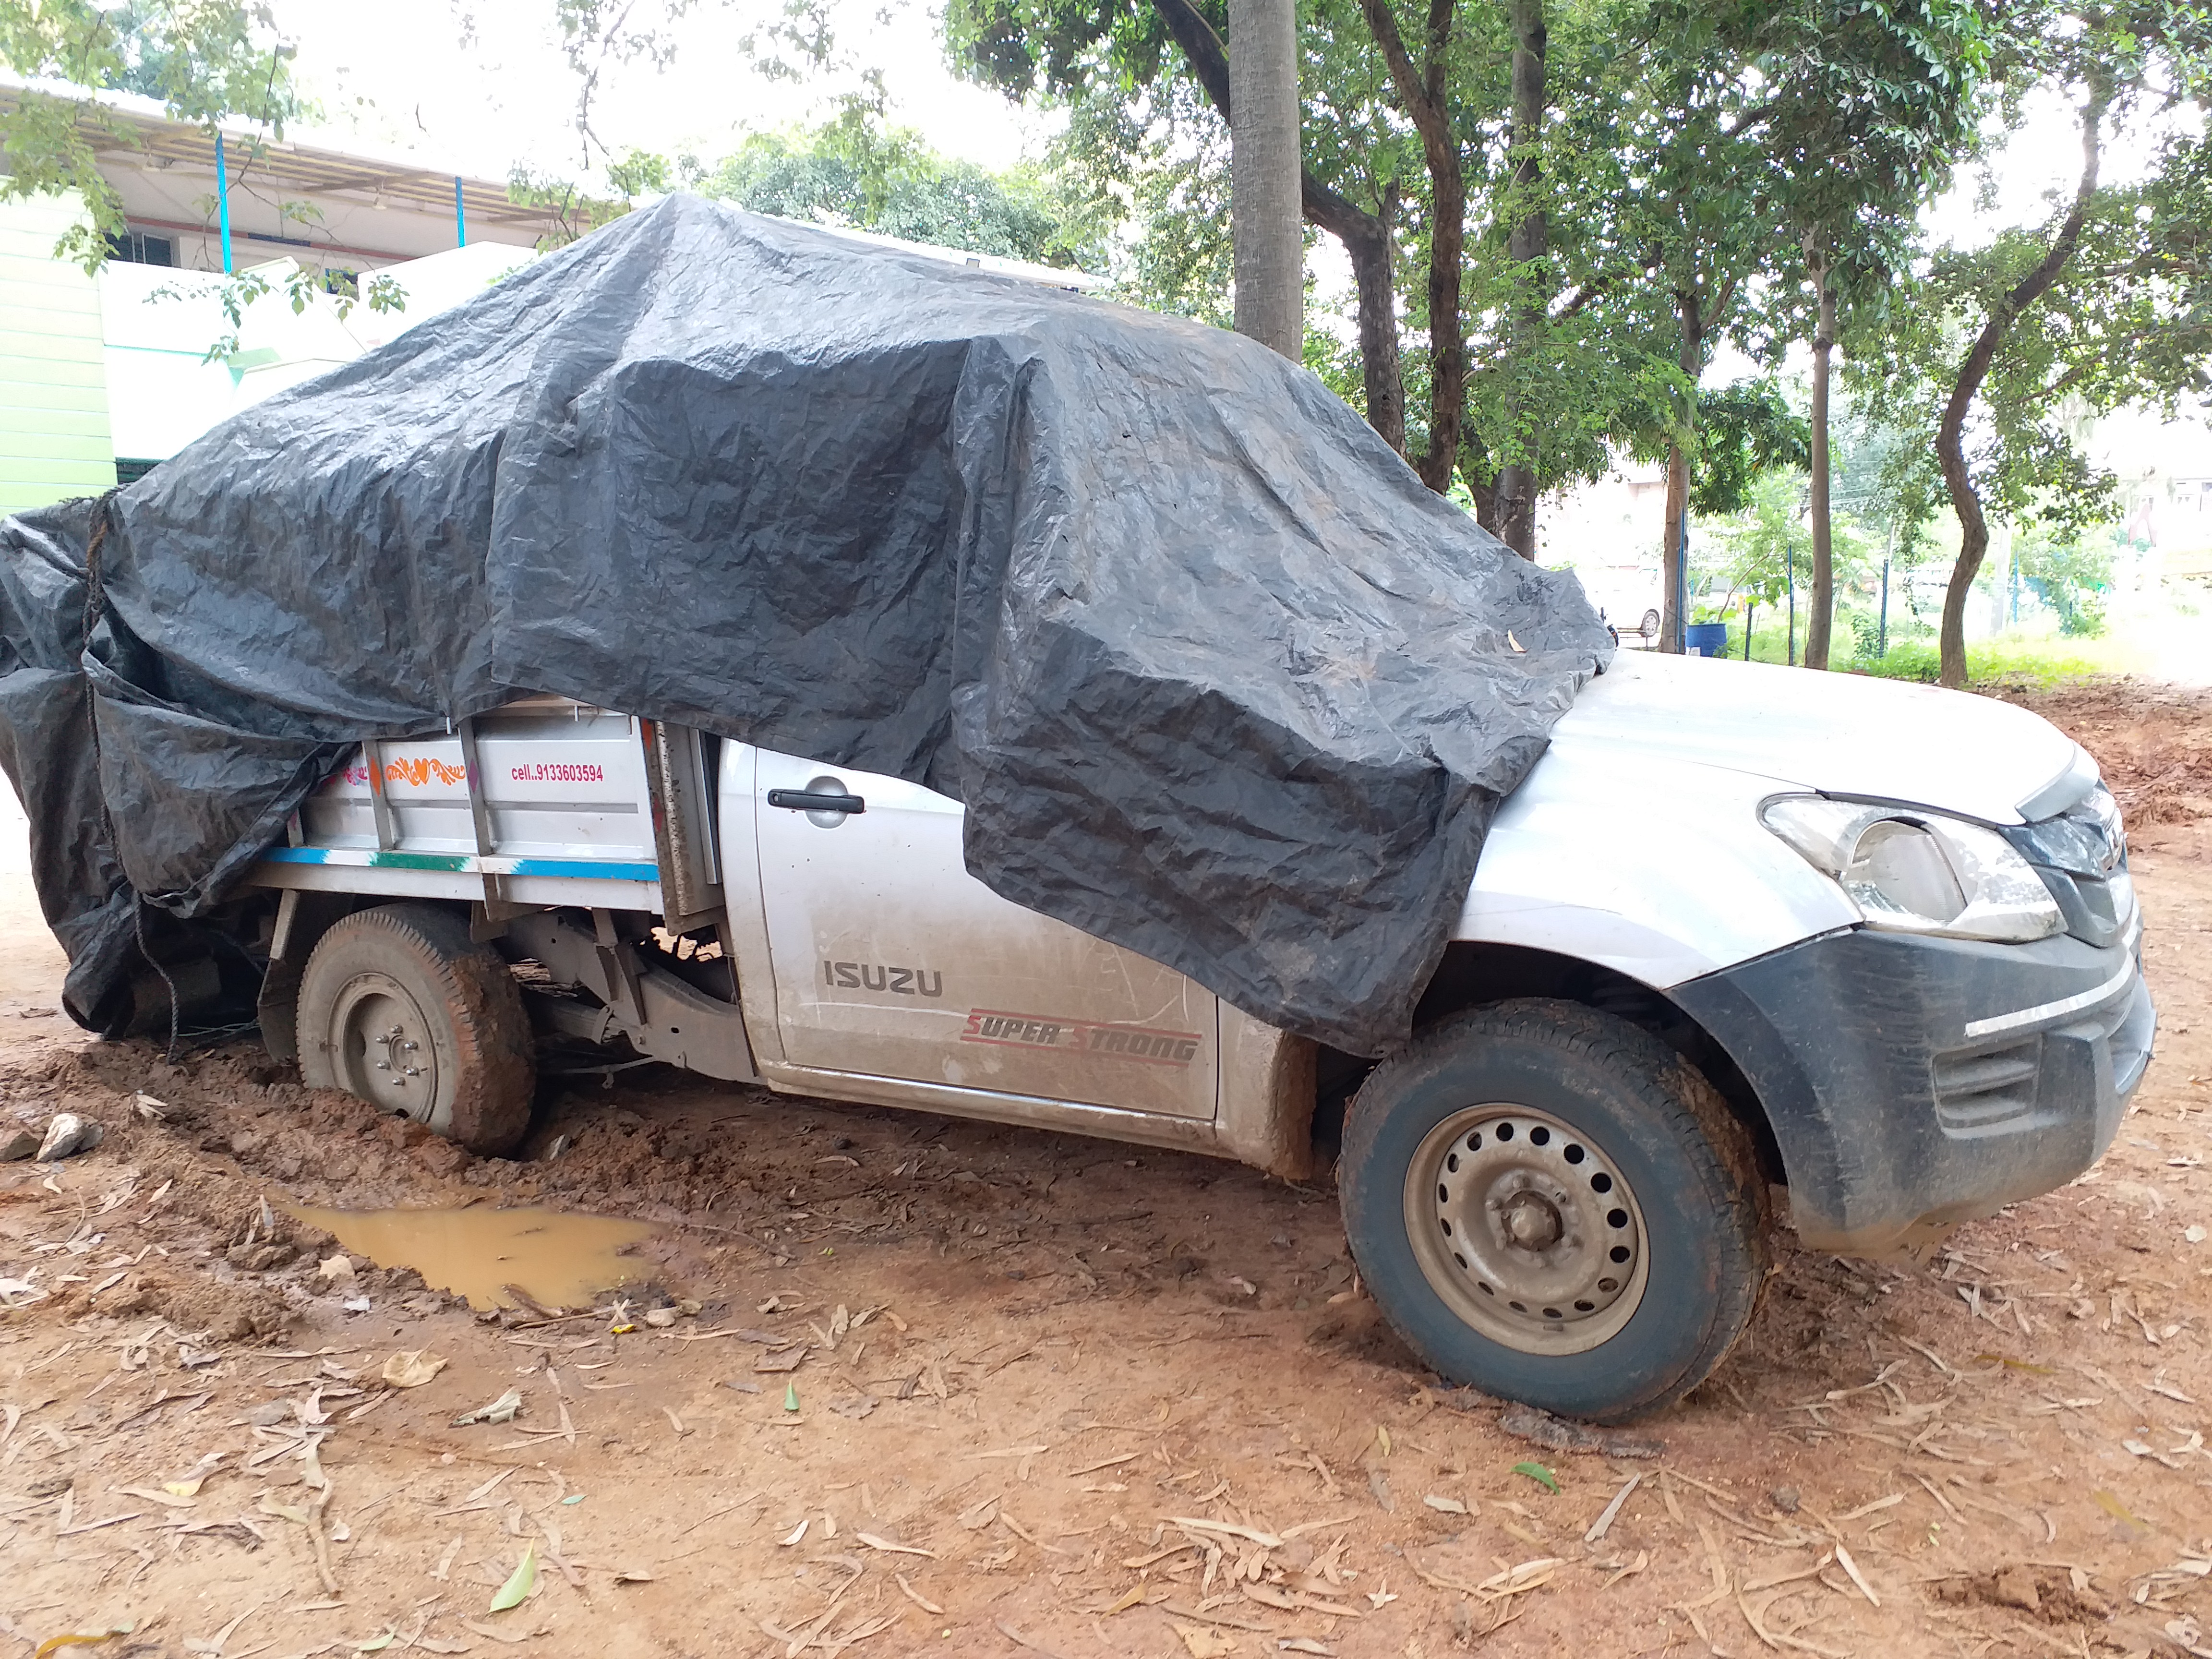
[
  {"x": 915, "y": 1596},
  {"x": 1850, "y": 1567},
  {"x": 188, "y": 1484},
  {"x": 502, "y": 1410},
  {"x": 412, "y": 1368},
  {"x": 1204, "y": 1643},
  {"x": 886, "y": 1545},
  {"x": 496, "y": 1634}
]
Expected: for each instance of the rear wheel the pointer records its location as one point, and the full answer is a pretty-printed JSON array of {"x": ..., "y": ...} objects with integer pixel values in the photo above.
[
  {"x": 400, "y": 1006},
  {"x": 1550, "y": 1204}
]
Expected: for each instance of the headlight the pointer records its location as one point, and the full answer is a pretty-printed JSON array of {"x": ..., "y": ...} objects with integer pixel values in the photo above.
[{"x": 1912, "y": 872}]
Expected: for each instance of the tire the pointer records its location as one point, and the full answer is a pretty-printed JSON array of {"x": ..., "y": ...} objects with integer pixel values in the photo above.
[
  {"x": 401, "y": 1007},
  {"x": 1551, "y": 1205}
]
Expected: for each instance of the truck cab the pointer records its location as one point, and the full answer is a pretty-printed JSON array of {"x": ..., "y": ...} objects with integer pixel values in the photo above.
[{"x": 1747, "y": 946}]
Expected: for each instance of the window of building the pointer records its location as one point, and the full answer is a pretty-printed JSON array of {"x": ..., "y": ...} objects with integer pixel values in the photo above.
[
  {"x": 129, "y": 472},
  {"x": 136, "y": 247}
]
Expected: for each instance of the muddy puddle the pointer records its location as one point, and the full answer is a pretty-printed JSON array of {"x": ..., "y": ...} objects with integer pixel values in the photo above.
[{"x": 554, "y": 1258}]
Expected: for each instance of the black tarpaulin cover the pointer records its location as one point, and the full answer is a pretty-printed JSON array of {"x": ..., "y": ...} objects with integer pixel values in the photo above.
[{"x": 1217, "y": 678}]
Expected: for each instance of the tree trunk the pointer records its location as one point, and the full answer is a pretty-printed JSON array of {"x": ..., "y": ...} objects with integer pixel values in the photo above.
[
  {"x": 1422, "y": 93},
  {"x": 1822, "y": 619},
  {"x": 1264, "y": 173},
  {"x": 1473, "y": 462},
  {"x": 1365, "y": 236},
  {"x": 1670, "y": 561},
  {"x": 1529, "y": 241},
  {"x": 1678, "y": 479},
  {"x": 1950, "y": 435}
]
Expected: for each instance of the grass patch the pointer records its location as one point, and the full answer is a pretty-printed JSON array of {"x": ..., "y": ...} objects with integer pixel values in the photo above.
[
  {"x": 2034, "y": 662},
  {"x": 2021, "y": 662}
]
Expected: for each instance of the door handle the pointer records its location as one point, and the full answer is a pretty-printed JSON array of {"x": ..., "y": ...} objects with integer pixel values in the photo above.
[{"x": 811, "y": 801}]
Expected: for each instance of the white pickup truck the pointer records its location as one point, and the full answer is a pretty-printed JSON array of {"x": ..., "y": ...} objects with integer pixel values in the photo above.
[{"x": 1743, "y": 931}]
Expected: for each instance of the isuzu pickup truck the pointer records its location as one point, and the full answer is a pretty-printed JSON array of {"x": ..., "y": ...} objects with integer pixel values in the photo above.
[{"x": 1749, "y": 945}]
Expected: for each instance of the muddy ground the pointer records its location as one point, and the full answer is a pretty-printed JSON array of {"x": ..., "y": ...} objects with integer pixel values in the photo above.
[{"x": 1052, "y": 1395}]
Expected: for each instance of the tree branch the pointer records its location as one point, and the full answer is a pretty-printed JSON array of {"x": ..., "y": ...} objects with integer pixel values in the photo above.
[
  {"x": 1421, "y": 92},
  {"x": 1365, "y": 236},
  {"x": 1950, "y": 443}
]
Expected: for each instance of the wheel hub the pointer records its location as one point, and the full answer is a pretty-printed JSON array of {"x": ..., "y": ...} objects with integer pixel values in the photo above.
[
  {"x": 1531, "y": 1223},
  {"x": 1526, "y": 1228},
  {"x": 384, "y": 1048}
]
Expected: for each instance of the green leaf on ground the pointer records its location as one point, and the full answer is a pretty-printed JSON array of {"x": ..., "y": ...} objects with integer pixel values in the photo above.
[
  {"x": 1537, "y": 1473},
  {"x": 518, "y": 1582}
]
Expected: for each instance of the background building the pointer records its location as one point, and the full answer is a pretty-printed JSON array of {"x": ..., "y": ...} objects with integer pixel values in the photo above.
[{"x": 101, "y": 377}]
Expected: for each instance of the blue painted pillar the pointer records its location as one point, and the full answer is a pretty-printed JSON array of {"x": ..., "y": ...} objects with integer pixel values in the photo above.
[
  {"x": 460, "y": 218},
  {"x": 222, "y": 200}
]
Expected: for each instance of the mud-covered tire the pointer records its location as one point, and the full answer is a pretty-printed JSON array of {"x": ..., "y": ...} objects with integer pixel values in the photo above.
[
  {"x": 1594, "y": 1102},
  {"x": 400, "y": 1006}
]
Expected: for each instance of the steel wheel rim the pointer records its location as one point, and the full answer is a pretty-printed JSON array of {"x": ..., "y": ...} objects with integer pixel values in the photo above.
[
  {"x": 1527, "y": 1230},
  {"x": 384, "y": 1052}
]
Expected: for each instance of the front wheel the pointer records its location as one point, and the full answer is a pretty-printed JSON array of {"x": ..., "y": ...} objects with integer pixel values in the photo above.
[{"x": 1551, "y": 1205}]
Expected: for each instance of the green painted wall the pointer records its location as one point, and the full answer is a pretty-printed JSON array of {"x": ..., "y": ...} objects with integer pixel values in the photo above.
[{"x": 53, "y": 379}]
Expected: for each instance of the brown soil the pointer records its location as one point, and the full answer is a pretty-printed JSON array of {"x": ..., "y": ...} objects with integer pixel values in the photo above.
[
  {"x": 1025, "y": 1363},
  {"x": 2155, "y": 742}
]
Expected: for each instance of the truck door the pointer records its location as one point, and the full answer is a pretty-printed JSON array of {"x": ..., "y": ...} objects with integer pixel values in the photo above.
[{"x": 890, "y": 960}]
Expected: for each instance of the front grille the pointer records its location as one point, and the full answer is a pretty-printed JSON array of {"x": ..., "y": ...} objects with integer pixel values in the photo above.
[{"x": 2082, "y": 854}]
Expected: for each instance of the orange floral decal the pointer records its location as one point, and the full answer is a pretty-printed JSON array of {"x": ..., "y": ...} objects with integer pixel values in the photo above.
[{"x": 418, "y": 773}]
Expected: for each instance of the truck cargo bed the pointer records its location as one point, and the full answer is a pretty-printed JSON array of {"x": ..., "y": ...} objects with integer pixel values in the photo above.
[{"x": 544, "y": 801}]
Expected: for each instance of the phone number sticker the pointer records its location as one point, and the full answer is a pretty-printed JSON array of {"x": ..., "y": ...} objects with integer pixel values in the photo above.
[{"x": 559, "y": 772}]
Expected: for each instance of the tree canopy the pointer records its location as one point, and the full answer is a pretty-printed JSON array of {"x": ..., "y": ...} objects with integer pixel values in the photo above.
[
  {"x": 1557, "y": 215},
  {"x": 204, "y": 59},
  {"x": 855, "y": 171}
]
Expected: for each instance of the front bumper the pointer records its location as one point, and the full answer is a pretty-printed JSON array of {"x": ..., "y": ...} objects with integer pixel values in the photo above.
[{"x": 1916, "y": 1083}]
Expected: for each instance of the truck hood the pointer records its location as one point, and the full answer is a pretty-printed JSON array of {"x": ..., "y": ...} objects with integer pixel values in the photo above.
[{"x": 1840, "y": 734}]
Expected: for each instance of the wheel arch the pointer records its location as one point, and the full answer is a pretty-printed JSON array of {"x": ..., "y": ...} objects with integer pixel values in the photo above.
[
  {"x": 302, "y": 918},
  {"x": 1474, "y": 973}
]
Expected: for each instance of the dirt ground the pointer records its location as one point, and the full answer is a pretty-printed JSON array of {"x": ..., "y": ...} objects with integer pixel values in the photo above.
[{"x": 958, "y": 1389}]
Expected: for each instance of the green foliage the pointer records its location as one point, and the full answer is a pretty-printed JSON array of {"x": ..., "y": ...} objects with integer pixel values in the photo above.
[
  {"x": 301, "y": 287},
  {"x": 2009, "y": 349},
  {"x": 855, "y": 172},
  {"x": 640, "y": 173},
  {"x": 2070, "y": 575},
  {"x": 1883, "y": 478},
  {"x": 1867, "y": 640},
  {"x": 1745, "y": 433},
  {"x": 1770, "y": 541},
  {"x": 1872, "y": 105},
  {"x": 576, "y": 209},
  {"x": 205, "y": 60}
]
